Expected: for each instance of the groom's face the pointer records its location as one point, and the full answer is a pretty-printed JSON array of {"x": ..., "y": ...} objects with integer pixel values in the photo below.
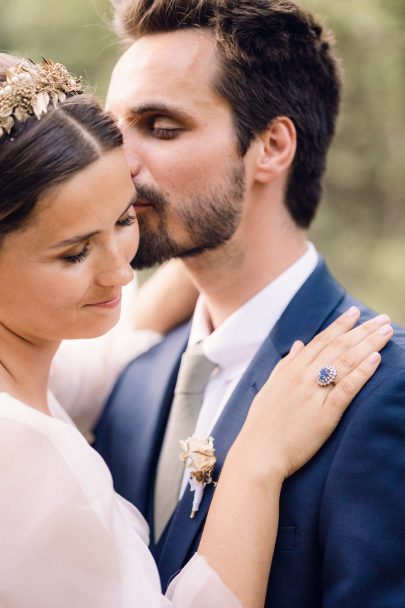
[{"x": 180, "y": 143}]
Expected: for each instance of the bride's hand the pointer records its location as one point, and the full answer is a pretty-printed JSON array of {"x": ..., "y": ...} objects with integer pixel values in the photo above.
[{"x": 292, "y": 416}]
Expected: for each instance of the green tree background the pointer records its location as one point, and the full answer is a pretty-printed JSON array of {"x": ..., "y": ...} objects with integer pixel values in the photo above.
[{"x": 361, "y": 225}]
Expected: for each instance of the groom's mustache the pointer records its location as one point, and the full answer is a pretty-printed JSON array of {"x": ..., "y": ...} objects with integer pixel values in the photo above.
[{"x": 150, "y": 196}]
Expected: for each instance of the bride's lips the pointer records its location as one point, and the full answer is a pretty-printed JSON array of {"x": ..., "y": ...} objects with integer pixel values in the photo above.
[{"x": 107, "y": 303}]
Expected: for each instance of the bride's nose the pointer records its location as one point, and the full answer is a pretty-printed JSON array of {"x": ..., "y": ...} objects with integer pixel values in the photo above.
[{"x": 115, "y": 270}]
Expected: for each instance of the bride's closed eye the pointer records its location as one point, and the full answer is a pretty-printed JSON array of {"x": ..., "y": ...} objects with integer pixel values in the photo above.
[
  {"x": 126, "y": 220},
  {"x": 77, "y": 257}
]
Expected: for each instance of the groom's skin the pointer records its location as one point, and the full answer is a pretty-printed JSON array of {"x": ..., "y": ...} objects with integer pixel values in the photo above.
[{"x": 180, "y": 139}]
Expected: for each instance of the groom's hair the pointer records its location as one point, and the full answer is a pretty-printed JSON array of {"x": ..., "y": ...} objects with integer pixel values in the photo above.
[{"x": 275, "y": 60}]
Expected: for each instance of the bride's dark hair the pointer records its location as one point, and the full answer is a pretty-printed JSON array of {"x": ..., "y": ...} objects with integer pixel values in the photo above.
[{"x": 40, "y": 154}]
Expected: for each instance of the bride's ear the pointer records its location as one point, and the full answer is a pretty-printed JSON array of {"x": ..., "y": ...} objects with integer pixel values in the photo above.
[{"x": 276, "y": 149}]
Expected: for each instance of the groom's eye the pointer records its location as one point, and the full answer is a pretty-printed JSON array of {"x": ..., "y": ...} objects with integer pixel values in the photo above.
[
  {"x": 163, "y": 127},
  {"x": 164, "y": 133}
]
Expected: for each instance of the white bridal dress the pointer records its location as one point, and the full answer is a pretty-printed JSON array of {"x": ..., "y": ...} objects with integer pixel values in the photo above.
[{"x": 67, "y": 539}]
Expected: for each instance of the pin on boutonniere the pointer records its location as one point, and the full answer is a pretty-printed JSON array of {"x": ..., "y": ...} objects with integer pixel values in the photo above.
[{"x": 199, "y": 458}]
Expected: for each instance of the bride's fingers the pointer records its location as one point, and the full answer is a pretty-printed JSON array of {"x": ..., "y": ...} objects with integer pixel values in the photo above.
[
  {"x": 360, "y": 332},
  {"x": 357, "y": 336},
  {"x": 334, "y": 331},
  {"x": 352, "y": 357},
  {"x": 344, "y": 391},
  {"x": 335, "y": 344}
]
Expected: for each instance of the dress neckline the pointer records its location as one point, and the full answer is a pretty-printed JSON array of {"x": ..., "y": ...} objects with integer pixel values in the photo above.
[{"x": 56, "y": 411}]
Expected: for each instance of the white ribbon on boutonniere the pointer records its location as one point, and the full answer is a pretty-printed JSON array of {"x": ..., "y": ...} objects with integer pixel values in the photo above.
[{"x": 199, "y": 458}]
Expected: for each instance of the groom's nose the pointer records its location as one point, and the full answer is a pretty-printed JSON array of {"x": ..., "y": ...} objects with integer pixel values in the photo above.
[{"x": 131, "y": 151}]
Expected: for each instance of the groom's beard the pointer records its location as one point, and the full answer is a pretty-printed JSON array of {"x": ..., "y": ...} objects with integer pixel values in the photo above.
[{"x": 209, "y": 220}]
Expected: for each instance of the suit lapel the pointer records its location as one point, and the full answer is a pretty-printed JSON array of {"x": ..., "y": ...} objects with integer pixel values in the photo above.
[
  {"x": 306, "y": 314},
  {"x": 309, "y": 311}
]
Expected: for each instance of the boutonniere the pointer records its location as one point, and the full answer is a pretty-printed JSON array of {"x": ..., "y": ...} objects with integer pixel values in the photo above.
[{"x": 199, "y": 458}]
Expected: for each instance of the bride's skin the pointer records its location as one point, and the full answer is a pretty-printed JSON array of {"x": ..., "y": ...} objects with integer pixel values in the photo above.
[
  {"x": 166, "y": 299},
  {"x": 61, "y": 277}
]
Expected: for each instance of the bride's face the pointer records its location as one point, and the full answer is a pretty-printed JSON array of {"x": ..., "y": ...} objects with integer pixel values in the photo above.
[{"x": 61, "y": 275}]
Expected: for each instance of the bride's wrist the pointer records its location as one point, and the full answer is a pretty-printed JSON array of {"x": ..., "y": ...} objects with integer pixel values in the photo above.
[{"x": 252, "y": 466}]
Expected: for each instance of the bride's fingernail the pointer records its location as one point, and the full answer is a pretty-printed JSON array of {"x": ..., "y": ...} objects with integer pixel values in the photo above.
[
  {"x": 382, "y": 319},
  {"x": 375, "y": 358},
  {"x": 352, "y": 312},
  {"x": 385, "y": 330}
]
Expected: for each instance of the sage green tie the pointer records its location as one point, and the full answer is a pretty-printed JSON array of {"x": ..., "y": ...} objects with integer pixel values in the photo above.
[{"x": 195, "y": 369}]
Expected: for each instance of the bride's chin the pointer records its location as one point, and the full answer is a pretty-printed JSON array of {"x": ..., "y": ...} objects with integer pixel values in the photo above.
[{"x": 93, "y": 330}]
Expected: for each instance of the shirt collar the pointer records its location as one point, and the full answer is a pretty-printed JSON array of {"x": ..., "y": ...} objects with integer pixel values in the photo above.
[{"x": 234, "y": 343}]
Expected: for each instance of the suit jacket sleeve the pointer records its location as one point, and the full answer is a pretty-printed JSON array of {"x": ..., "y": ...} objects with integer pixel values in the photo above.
[{"x": 362, "y": 519}]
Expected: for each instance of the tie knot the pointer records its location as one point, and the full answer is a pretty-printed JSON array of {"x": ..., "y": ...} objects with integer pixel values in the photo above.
[{"x": 195, "y": 370}]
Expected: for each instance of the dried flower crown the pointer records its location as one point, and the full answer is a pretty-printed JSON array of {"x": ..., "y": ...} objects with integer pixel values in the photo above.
[{"x": 30, "y": 87}]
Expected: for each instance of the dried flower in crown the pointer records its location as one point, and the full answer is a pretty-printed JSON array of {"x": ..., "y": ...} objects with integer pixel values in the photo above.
[{"x": 30, "y": 87}]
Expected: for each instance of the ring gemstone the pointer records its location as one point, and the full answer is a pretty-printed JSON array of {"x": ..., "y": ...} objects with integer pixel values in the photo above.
[{"x": 327, "y": 375}]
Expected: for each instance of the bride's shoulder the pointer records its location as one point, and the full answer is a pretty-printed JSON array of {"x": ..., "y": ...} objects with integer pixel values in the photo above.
[
  {"x": 31, "y": 442},
  {"x": 11, "y": 408},
  {"x": 25, "y": 446},
  {"x": 25, "y": 428},
  {"x": 19, "y": 418}
]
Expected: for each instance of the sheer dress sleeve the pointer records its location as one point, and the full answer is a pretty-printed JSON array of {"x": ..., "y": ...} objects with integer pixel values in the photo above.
[{"x": 67, "y": 539}]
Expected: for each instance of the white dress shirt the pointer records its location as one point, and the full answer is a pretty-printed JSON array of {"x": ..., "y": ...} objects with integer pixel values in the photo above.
[{"x": 233, "y": 344}]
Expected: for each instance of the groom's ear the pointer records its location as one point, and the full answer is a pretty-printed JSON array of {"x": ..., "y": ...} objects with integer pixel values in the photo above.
[{"x": 276, "y": 148}]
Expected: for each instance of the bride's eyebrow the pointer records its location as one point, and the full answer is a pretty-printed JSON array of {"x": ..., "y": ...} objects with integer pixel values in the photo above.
[
  {"x": 84, "y": 237},
  {"x": 75, "y": 239},
  {"x": 131, "y": 203}
]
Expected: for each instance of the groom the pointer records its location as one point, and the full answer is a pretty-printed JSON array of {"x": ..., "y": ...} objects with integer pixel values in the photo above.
[{"x": 228, "y": 110}]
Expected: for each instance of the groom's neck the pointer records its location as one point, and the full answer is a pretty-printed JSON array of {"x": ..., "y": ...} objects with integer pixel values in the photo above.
[{"x": 232, "y": 274}]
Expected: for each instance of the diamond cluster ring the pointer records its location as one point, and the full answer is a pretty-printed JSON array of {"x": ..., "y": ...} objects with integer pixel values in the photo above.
[{"x": 327, "y": 375}]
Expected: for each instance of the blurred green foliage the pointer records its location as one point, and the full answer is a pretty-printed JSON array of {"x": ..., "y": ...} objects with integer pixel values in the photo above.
[
  {"x": 76, "y": 32},
  {"x": 361, "y": 225}
]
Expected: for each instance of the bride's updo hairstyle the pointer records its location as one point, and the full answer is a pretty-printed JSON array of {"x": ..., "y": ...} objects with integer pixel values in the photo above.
[{"x": 38, "y": 154}]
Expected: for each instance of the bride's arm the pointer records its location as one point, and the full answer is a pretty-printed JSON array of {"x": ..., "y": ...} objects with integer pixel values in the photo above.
[
  {"x": 290, "y": 419},
  {"x": 166, "y": 299}
]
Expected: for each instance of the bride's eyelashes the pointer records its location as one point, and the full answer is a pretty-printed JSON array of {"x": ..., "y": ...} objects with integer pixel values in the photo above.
[
  {"x": 129, "y": 219},
  {"x": 77, "y": 257}
]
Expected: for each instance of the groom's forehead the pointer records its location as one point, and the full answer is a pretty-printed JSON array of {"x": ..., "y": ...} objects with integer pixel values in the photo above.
[
  {"x": 175, "y": 68},
  {"x": 171, "y": 58}
]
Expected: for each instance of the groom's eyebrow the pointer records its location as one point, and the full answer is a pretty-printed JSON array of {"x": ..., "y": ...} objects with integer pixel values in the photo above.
[
  {"x": 84, "y": 237},
  {"x": 160, "y": 108}
]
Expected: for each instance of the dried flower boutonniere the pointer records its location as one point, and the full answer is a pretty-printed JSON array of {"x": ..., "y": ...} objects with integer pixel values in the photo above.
[{"x": 199, "y": 458}]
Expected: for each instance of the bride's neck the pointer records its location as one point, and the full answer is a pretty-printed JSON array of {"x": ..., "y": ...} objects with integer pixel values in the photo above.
[{"x": 24, "y": 368}]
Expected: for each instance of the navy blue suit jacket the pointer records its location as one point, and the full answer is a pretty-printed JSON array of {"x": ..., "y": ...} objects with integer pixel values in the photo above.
[{"x": 341, "y": 537}]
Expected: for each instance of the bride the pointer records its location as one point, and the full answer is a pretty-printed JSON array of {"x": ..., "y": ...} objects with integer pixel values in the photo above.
[{"x": 68, "y": 232}]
